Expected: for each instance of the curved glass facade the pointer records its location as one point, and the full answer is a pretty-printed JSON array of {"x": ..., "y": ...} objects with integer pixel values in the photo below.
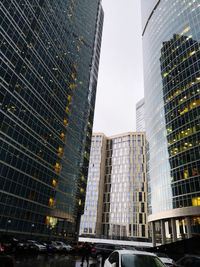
[{"x": 171, "y": 36}]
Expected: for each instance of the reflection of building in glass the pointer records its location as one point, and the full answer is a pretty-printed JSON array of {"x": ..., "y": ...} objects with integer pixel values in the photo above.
[
  {"x": 123, "y": 198},
  {"x": 140, "y": 113},
  {"x": 92, "y": 218},
  {"x": 181, "y": 102},
  {"x": 172, "y": 109},
  {"x": 50, "y": 54}
]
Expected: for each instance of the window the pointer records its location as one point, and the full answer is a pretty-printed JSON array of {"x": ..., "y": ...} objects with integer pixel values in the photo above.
[
  {"x": 114, "y": 258},
  {"x": 130, "y": 260}
]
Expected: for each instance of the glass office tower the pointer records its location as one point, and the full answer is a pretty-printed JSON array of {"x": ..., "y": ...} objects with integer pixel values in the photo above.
[
  {"x": 49, "y": 68},
  {"x": 171, "y": 46}
]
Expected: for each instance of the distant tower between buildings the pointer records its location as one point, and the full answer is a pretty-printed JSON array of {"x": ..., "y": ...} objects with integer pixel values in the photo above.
[
  {"x": 49, "y": 69},
  {"x": 140, "y": 116},
  {"x": 116, "y": 204}
]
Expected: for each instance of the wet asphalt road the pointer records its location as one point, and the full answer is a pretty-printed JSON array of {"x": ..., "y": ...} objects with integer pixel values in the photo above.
[{"x": 49, "y": 261}]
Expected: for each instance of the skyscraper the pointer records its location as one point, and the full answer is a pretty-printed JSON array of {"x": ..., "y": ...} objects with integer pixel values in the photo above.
[
  {"x": 140, "y": 116},
  {"x": 171, "y": 36},
  {"x": 50, "y": 56},
  {"x": 116, "y": 188}
]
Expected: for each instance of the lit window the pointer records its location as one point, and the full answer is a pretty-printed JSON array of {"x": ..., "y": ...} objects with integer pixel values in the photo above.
[
  {"x": 65, "y": 121},
  {"x": 62, "y": 135},
  {"x": 51, "y": 221},
  {"x": 51, "y": 202},
  {"x": 54, "y": 182},
  {"x": 60, "y": 151},
  {"x": 165, "y": 74},
  {"x": 196, "y": 201},
  {"x": 186, "y": 174},
  {"x": 185, "y": 30},
  {"x": 57, "y": 167},
  {"x": 69, "y": 98},
  {"x": 82, "y": 190}
]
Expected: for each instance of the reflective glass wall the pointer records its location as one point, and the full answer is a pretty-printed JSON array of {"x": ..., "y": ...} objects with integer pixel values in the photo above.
[
  {"x": 50, "y": 54},
  {"x": 171, "y": 36},
  {"x": 140, "y": 116},
  {"x": 91, "y": 221}
]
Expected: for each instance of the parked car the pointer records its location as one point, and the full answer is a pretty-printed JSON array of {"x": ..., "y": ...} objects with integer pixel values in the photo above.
[
  {"x": 36, "y": 246},
  {"x": 189, "y": 261},
  {"x": 165, "y": 259},
  {"x": 63, "y": 247},
  {"x": 55, "y": 246},
  {"x": 133, "y": 258},
  {"x": 127, "y": 247},
  {"x": 102, "y": 250},
  {"x": 51, "y": 248},
  {"x": 22, "y": 246}
]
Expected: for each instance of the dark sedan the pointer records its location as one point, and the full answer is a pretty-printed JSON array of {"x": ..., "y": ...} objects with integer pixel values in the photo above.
[{"x": 189, "y": 261}]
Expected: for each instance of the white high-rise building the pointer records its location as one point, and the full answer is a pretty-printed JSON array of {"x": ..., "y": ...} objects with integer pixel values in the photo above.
[{"x": 116, "y": 203}]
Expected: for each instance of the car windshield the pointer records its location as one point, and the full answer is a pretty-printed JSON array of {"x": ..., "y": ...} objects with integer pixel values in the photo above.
[{"x": 131, "y": 260}]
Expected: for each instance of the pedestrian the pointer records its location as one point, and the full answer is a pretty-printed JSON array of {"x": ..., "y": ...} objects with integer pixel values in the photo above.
[{"x": 86, "y": 251}]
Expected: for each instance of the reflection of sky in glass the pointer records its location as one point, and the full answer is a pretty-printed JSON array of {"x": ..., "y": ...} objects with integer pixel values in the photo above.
[
  {"x": 147, "y": 6},
  {"x": 89, "y": 218}
]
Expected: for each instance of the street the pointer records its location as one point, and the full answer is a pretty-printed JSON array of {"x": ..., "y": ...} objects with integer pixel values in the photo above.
[{"x": 49, "y": 261}]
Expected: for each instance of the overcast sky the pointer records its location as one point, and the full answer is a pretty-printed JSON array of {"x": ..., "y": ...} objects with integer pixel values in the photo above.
[{"x": 120, "y": 83}]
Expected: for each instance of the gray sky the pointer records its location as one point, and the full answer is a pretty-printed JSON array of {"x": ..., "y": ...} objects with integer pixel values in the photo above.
[{"x": 120, "y": 83}]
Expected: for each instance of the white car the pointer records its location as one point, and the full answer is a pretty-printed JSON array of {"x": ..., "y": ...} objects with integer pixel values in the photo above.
[
  {"x": 36, "y": 246},
  {"x": 63, "y": 247},
  {"x": 55, "y": 246},
  {"x": 133, "y": 258}
]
